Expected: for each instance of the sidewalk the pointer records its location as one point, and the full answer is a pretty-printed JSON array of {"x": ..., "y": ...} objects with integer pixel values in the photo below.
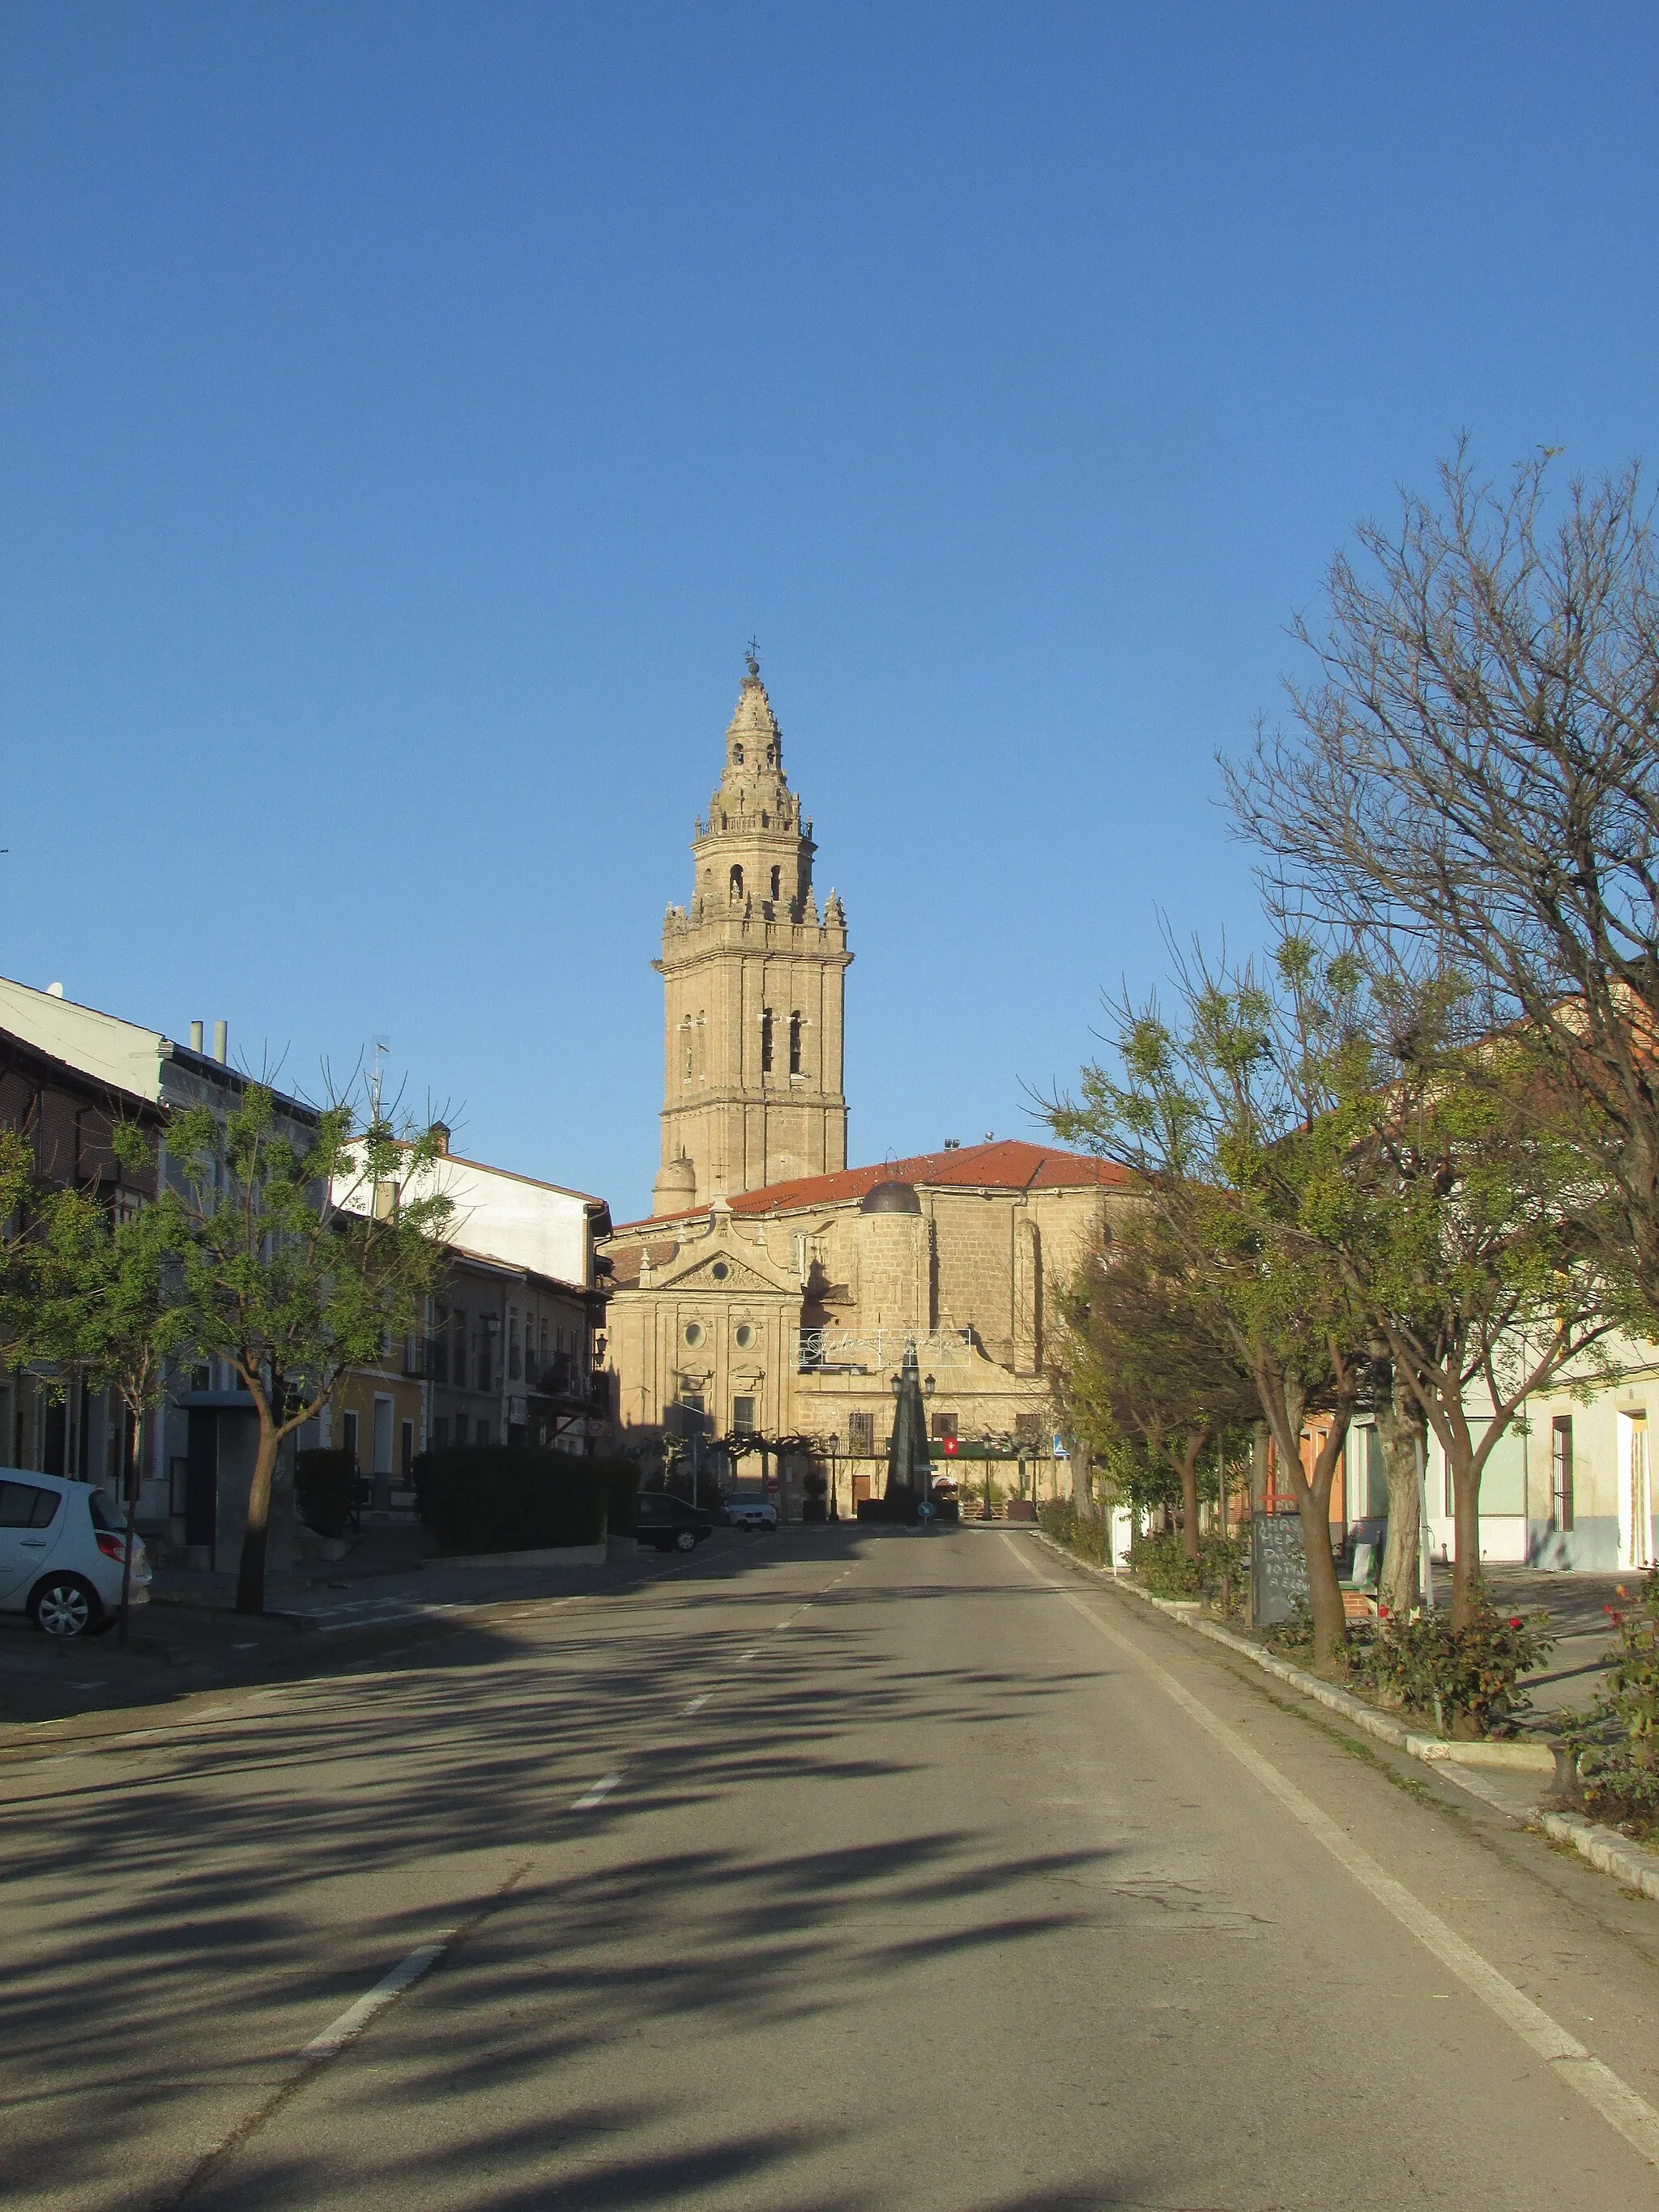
[{"x": 1577, "y": 1605}]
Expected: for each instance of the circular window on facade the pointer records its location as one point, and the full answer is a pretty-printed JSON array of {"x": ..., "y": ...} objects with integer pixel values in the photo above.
[
  {"x": 694, "y": 1332},
  {"x": 719, "y": 1271},
  {"x": 745, "y": 1335}
]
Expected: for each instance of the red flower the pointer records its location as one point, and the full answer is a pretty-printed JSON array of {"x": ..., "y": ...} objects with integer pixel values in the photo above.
[{"x": 1515, "y": 1620}]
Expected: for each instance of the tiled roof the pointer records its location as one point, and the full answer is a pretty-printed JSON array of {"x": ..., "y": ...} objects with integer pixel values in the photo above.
[{"x": 1009, "y": 1163}]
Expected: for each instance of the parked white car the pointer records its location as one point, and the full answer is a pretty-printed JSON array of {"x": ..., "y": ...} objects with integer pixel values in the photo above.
[
  {"x": 62, "y": 1547},
  {"x": 750, "y": 1512}
]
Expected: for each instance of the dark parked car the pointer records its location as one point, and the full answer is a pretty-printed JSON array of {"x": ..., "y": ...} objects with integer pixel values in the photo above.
[{"x": 669, "y": 1522}]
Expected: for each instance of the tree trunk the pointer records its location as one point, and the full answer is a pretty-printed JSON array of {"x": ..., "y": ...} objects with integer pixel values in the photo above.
[
  {"x": 251, "y": 1574},
  {"x": 1188, "y": 1468},
  {"x": 1082, "y": 1487},
  {"x": 1285, "y": 1406},
  {"x": 1466, "y": 1523},
  {"x": 1402, "y": 1433},
  {"x": 132, "y": 1439},
  {"x": 1324, "y": 1591}
]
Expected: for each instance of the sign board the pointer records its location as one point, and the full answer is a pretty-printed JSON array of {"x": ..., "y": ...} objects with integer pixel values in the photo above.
[{"x": 1278, "y": 1567}]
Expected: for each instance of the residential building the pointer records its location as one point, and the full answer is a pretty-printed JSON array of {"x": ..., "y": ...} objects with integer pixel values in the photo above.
[
  {"x": 507, "y": 1353},
  {"x": 71, "y": 1072},
  {"x": 1569, "y": 1484}
]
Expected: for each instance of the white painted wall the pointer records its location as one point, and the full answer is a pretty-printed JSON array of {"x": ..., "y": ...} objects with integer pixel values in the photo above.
[{"x": 522, "y": 1222}]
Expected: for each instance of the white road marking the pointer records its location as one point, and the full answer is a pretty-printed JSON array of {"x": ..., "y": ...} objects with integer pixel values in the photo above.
[
  {"x": 697, "y": 1704},
  {"x": 753, "y": 1654},
  {"x": 356, "y": 2018},
  {"x": 597, "y": 1796},
  {"x": 1631, "y": 2116}
]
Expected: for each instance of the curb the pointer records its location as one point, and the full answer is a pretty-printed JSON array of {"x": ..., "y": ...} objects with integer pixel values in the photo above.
[
  {"x": 562, "y": 1555},
  {"x": 1605, "y": 1848}
]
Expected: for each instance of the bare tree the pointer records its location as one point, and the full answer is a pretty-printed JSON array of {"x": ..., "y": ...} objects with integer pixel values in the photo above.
[{"x": 1472, "y": 780}]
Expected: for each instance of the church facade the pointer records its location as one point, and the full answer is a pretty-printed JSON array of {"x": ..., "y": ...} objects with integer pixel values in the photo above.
[{"x": 773, "y": 1289}]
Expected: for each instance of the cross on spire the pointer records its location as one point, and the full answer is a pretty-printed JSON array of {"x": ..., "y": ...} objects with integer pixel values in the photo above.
[{"x": 754, "y": 663}]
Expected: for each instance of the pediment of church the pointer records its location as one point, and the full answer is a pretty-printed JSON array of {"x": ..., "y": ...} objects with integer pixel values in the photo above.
[{"x": 723, "y": 1274}]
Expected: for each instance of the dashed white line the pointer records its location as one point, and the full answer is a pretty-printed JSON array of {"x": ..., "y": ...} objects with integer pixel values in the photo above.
[
  {"x": 597, "y": 1794},
  {"x": 697, "y": 1704},
  {"x": 356, "y": 2018}
]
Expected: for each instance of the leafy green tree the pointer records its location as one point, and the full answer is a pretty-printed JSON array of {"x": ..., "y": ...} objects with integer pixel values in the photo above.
[
  {"x": 1207, "y": 1113},
  {"x": 1461, "y": 1221},
  {"x": 301, "y": 1258},
  {"x": 21, "y": 1201},
  {"x": 1146, "y": 1381},
  {"x": 108, "y": 1306},
  {"x": 1357, "y": 1166}
]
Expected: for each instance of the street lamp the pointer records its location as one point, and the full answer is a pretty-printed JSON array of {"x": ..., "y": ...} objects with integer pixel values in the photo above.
[{"x": 835, "y": 1446}]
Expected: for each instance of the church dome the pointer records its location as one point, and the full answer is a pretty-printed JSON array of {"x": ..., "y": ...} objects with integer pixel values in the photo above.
[
  {"x": 890, "y": 1198},
  {"x": 676, "y": 1187}
]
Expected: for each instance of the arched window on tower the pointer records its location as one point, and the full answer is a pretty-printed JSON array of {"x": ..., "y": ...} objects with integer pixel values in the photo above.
[
  {"x": 776, "y": 878},
  {"x": 766, "y": 1040},
  {"x": 736, "y": 755},
  {"x": 794, "y": 1044},
  {"x": 737, "y": 881}
]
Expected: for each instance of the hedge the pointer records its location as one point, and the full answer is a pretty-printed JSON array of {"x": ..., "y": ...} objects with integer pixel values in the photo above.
[
  {"x": 511, "y": 1498},
  {"x": 322, "y": 1489}
]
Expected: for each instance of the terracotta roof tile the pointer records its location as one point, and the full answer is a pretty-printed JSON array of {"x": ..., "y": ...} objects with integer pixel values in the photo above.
[{"x": 1009, "y": 1163}]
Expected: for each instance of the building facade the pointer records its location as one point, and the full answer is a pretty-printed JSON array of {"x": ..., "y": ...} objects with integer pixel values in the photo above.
[
  {"x": 773, "y": 1289},
  {"x": 193, "y": 1459},
  {"x": 788, "y": 1310}
]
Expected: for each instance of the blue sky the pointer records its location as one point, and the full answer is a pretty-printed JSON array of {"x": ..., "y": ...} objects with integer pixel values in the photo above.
[{"x": 409, "y": 411}]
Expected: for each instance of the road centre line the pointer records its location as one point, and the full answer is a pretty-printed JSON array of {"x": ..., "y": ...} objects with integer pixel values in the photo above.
[
  {"x": 597, "y": 1794},
  {"x": 356, "y": 2018},
  {"x": 697, "y": 1704},
  {"x": 1619, "y": 2104}
]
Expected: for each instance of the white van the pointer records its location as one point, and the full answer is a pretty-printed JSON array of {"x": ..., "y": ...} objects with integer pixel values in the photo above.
[{"x": 62, "y": 1547}]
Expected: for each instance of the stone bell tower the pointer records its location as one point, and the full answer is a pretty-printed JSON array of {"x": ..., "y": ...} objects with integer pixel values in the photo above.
[{"x": 753, "y": 977}]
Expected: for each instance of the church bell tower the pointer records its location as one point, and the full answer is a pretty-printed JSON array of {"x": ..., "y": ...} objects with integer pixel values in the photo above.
[{"x": 753, "y": 977}]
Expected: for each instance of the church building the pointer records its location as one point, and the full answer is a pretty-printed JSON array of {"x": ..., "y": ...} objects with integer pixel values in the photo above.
[{"x": 774, "y": 1288}]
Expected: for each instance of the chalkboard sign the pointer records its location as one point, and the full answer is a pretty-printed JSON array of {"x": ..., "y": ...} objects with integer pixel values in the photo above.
[{"x": 1278, "y": 1567}]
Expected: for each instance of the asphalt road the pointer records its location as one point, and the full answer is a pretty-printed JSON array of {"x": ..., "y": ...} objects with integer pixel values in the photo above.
[{"x": 832, "y": 1873}]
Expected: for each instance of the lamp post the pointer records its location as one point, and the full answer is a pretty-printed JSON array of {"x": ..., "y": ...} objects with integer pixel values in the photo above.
[{"x": 835, "y": 1477}]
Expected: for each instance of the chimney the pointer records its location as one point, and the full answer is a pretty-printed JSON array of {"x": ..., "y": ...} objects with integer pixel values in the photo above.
[
  {"x": 439, "y": 1134},
  {"x": 220, "y": 1041},
  {"x": 196, "y": 1036}
]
